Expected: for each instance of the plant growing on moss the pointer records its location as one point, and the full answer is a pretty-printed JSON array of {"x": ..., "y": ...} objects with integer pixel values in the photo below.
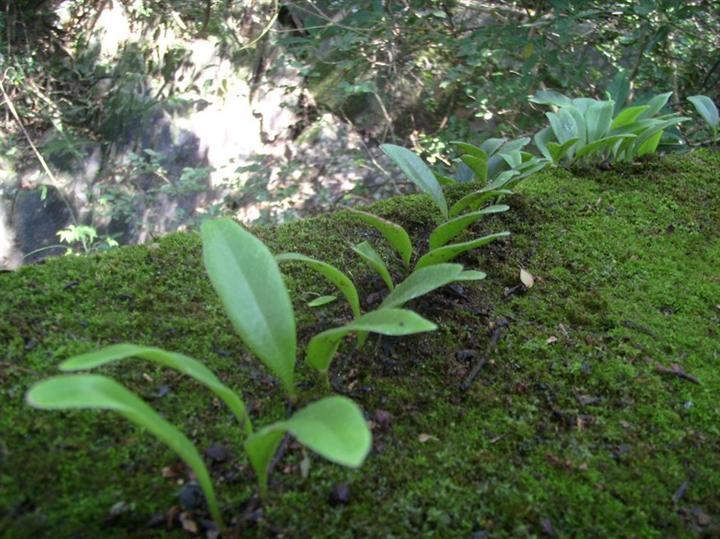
[
  {"x": 250, "y": 286},
  {"x": 707, "y": 109},
  {"x": 587, "y": 130}
]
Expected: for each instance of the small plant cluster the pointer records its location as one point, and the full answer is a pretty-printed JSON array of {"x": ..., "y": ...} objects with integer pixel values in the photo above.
[{"x": 247, "y": 278}]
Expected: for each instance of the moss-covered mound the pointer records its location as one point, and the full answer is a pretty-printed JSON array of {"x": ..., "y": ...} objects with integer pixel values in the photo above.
[{"x": 598, "y": 415}]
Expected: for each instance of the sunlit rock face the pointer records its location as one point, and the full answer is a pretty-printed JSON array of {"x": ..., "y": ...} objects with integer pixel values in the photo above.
[{"x": 211, "y": 135}]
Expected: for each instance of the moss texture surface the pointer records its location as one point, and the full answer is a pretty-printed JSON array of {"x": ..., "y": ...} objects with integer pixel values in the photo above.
[{"x": 574, "y": 427}]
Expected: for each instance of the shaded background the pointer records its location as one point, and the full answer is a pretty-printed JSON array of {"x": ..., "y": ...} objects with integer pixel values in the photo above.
[{"x": 147, "y": 116}]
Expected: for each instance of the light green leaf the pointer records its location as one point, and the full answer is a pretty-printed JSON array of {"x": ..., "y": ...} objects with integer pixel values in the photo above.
[
  {"x": 448, "y": 230},
  {"x": 476, "y": 199},
  {"x": 90, "y": 391},
  {"x": 541, "y": 139},
  {"x": 600, "y": 145},
  {"x": 655, "y": 105},
  {"x": 562, "y": 124},
  {"x": 420, "y": 282},
  {"x": 248, "y": 281},
  {"x": 333, "y": 427},
  {"x": 172, "y": 360},
  {"x": 470, "y": 149},
  {"x": 448, "y": 252},
  {"x": 321, "y": 300},
  {"x": 445, "y": 180},
  {"x": 492, "y": 145},
  {"x": 393, "y": 233},
  {"x": 478, "y": 165},
  {"x": 650, "y": 145},
  {"x": 707, "y": 109},
  {"x": 372, "y": 258},
  {"x": 418, "y": 172},
  {"x": 598, "y": 118},
  {"x": 551, "y": 97},
  {"x": 386, "y": 321},
  {"x": 628, "y": 116},
  {"x": 471, "y": 275},
  {"x": 514, "y": 145},
  {"x": 331, "y": 274},
  {"x": 558, "y": 151}
]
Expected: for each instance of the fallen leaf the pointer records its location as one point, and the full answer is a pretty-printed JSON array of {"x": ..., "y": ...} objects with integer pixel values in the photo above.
[
  {"x": 427, "y": 437},
  {"x": 551, "y": 339},
  {"x": 188, "y": 524},
  {"x": 526, "y": 278}
]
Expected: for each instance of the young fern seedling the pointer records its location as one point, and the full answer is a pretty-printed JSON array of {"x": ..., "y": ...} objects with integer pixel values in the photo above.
[{"x": 250, "y": 286}]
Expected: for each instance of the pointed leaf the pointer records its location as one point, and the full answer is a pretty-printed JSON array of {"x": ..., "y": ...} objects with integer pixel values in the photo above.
[
  {"x": 600, "y": 145},
  {"x": 514, "y": 145},
  {"x": 541, "y": 140},
  {"x": 418, "y": 172},
  {"x": 260, "y": 449},
  {"x": 563, "y": 125},
  {"x": 321, "y": 300},
  {"x": 331, "y": 274},
  {"x": 558, "y": 151},
  {"x": 551, "y": 97},
  {"x": 322, "y": 347},
  {"x": 470, "y": 149},
  {"x": 655, "y": 105},
  {"x": 492, "y": 145},
  {"x": 598, "y": 118},
  {"x": 448, "y": 230},
  {"x": 393, "y": 233},
  {"x": 628, "y": 116},
  {"x": 471, "y": 275},
  {"x": 478, "y": 165},
  {"x": 178, "y": 362},
  {"x": 248, "y": 281},
  {"x": 445, "y": 180},
  {"x": 372, "y": 258},
  {"x": 448, "y": 252},
  {"x": 476, "y": 199},
  {"x": 707, "y": 109},
  {"x": 650, "y": 145},
  {"x": 90, "y": 391},
  {"x": 420, "y": 282}
]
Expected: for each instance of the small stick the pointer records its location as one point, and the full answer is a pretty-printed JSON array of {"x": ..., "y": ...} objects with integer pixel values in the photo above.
[{"x": 500, "y": 325}]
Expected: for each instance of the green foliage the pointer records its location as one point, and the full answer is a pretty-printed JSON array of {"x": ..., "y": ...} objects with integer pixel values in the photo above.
[
  {"x": 394, "y": 234},
  {"x": 385, "y": 321},
  {"x": 447, "y": 231},
  {"x": 366, "y": 251},
  {"x": 329, "y": 272},
  {"x": 586, "y": 131},
  {"x": 709, "y": 112},
  {"x": 446, "y": 253},
  {"x": 420, "y": 282},
  {"x": 102, "y": 393},
  {"x": 321, "y": 300},
  {"x": 249, "y": 283}
]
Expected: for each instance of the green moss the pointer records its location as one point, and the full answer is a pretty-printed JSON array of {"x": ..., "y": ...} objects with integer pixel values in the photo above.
[{"x": 569, "y": 426}]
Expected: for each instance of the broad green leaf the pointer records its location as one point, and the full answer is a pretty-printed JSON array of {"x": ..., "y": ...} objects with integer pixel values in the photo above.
[
  {"x": 503, "y": 179},
  {"x": 651, "y": 131},
  {"x": 393, "y": 233},
  {"x": 562, "y": 124},
  {"x": 321, "y": 300},
  {"x": 386, "y": 321},
  {"x": 600, "y": 145},
  {"x": 445, "y": 180},
  {"x": 91, "y": 391},
  {"x": 420, "y": 282},
  {"x": 655, "y": 105},
  {"x": 580, "y": 127},
  {"x": 707, "y": 109},
  {"x": 513, "y": 159},
  {"x": 551, "y": 97},
  {"x": 179, "y": 362},
  {"x": 541, "y": 140},
  {"x": 448, "y": 252},
  {"x": 598, "y": 118},
  {"x": 514, "y": 145},
  {"x": 448, "y": 230},
  {"x": 372, "y": 258},
  {"x": 248, "y": 281},
  {"x": 333, "y": 427},
  {"x": 331, "y": 274},
  {"x": 418, "y": 172},
  {"x": 476, "y": 199},
  {"x": 492, "y": 145},
  {"x": 470, "y": 149},
  {"x": 558, "y": 151},
  {"x": 650, "y": 145},
  {"x": 471, "y": 275},
  {"x": 628, "y": 116},
  {"x": 619, "y": 89},
  {"x": 478, "y": 165},
  {"x": 582, "y": 104}
]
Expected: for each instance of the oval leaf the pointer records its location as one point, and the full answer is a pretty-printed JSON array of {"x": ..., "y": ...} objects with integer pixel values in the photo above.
[
  {"x": 248, "y": 281},
  {"x": 322, "y": 347},
  {"x": 471, "y": 149},
  {"x": 372, "y": 258},
  {"x": 471, "y": 275},
  {"x": 420, "y": 282},
  {"x": 448, "y": 252},
  {"x": 331, "y": 273},
  {"x": 91, "y": 391},
  {"x": 447, "y": 231},
  {"x": 476, "y": 199},
  {"x": 628, "y": 116},
  {"x": 418, "y": 172},
  {"x": 178, "y": 362},
  {"x": 478, "y": 165},
  {"x": 321, "y": 300},
  {"x": 393, "y": 233},
  {"x": 707, "y": 109}
]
